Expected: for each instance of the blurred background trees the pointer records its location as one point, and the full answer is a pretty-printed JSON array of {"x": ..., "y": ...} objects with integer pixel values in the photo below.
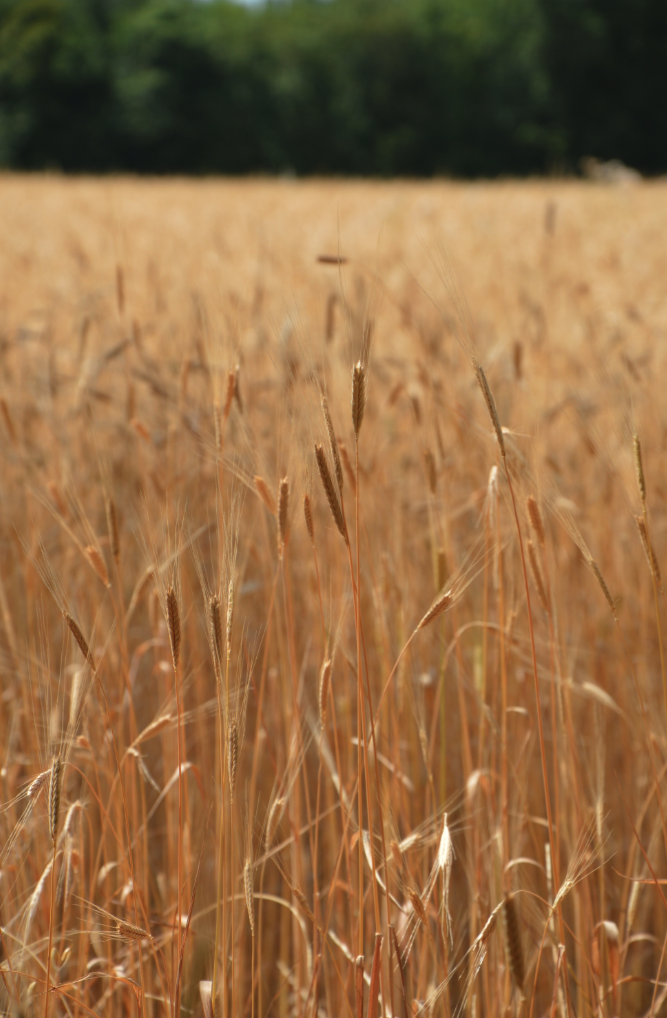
[{"x": 380, "y": 87}]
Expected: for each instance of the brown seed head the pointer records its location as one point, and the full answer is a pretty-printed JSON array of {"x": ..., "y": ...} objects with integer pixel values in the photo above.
[
  {"x": 217, "y": 424},
  {"x": 229, "y": 396},
  {"x": 174, "y": 625},
  {"x": 54, "y": 796},
  {"x": 429, "y": 468},
  {"x": 215, "y": 631},
  {"x": 249, "y": 895},
  {"x": 112, "y": 527},
  {"x": 442, "y": 567},
  {"x": 488, "y": 928},
  {"x": 440, "y": 605},
  {"x": 80, "y": 638},
  {"x": 513, "y": 940},
  {"x": 418, "y": 906},
  {"x": 230, "y": 616},
  {"x": 490, "y": 406},
  {"x": 232, "y": 754},
  {"x": 38, "y": 784},
  {"x": 639, "y": 468},
  {"x": 358, "y": 397},
  {"x": 329, "y": 324},
  {"x": 283, "y": 510},
  {"x": 130, "y": 932},
  {"x": 535, "y": 517},
  {"x": 593, "y": 566},
  {"x": 323, "y": 698},
  {"x": 120, "y": 289},
  {"x": 330, "y": 492},
  {"x": 518, "y": 359},
  {"x": 308, "y": 516}
]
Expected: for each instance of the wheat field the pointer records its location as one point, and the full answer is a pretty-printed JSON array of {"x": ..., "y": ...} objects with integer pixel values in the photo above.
[{"x": 331, "y": 612}]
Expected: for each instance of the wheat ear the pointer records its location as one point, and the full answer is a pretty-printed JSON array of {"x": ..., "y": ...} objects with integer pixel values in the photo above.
[
  {"x": 283, "y": 520},
  {"x": 308, "y": 517},
  {"x": 330, "y": 492},
  {"x": 80, "y": 638},
  {"x": 174, "y": 624},
  {"x": 513, "y": 944},
  {"x": 358, "y": 397},
  {"x": 490, "y": 405},
  {"x": 535, "y": 517}
]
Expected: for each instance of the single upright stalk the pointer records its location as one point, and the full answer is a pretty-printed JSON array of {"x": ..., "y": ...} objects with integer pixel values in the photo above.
[
  {"x": 358, "y": 406},
  {"x": 324, "y": 688},
  {"x": 231, "y": 903},
  {"x": 252, "y": 971},
  {"x": 55, "y": 785},
  {"x": 504, "y": 793},
  {"x": 221, "y": 914},
  {"x": 657, "y": 613},
  {"x": 641, "y": 484},
  {"x": 174, "y": 626},
  {"x": 47, "y": 995},
  {"x": 253, "y": 778},
  {"x": 221, "y": 841},
  {"x": 360, "y": 735},
  {"x": 180, "y": 827}
]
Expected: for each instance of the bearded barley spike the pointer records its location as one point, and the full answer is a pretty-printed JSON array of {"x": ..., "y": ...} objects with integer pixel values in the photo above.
[{"x": 358, "y": 397}]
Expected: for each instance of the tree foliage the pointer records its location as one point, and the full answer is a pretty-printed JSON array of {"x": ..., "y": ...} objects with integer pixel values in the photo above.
[{"x": 383, "y": 87}]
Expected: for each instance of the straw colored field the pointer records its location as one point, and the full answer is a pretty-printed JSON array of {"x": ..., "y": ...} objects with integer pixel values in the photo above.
[{"x": 406, "y": 741}]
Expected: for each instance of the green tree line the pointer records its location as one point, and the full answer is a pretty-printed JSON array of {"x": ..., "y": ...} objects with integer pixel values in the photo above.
[{"x": 379, "y": 87}]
